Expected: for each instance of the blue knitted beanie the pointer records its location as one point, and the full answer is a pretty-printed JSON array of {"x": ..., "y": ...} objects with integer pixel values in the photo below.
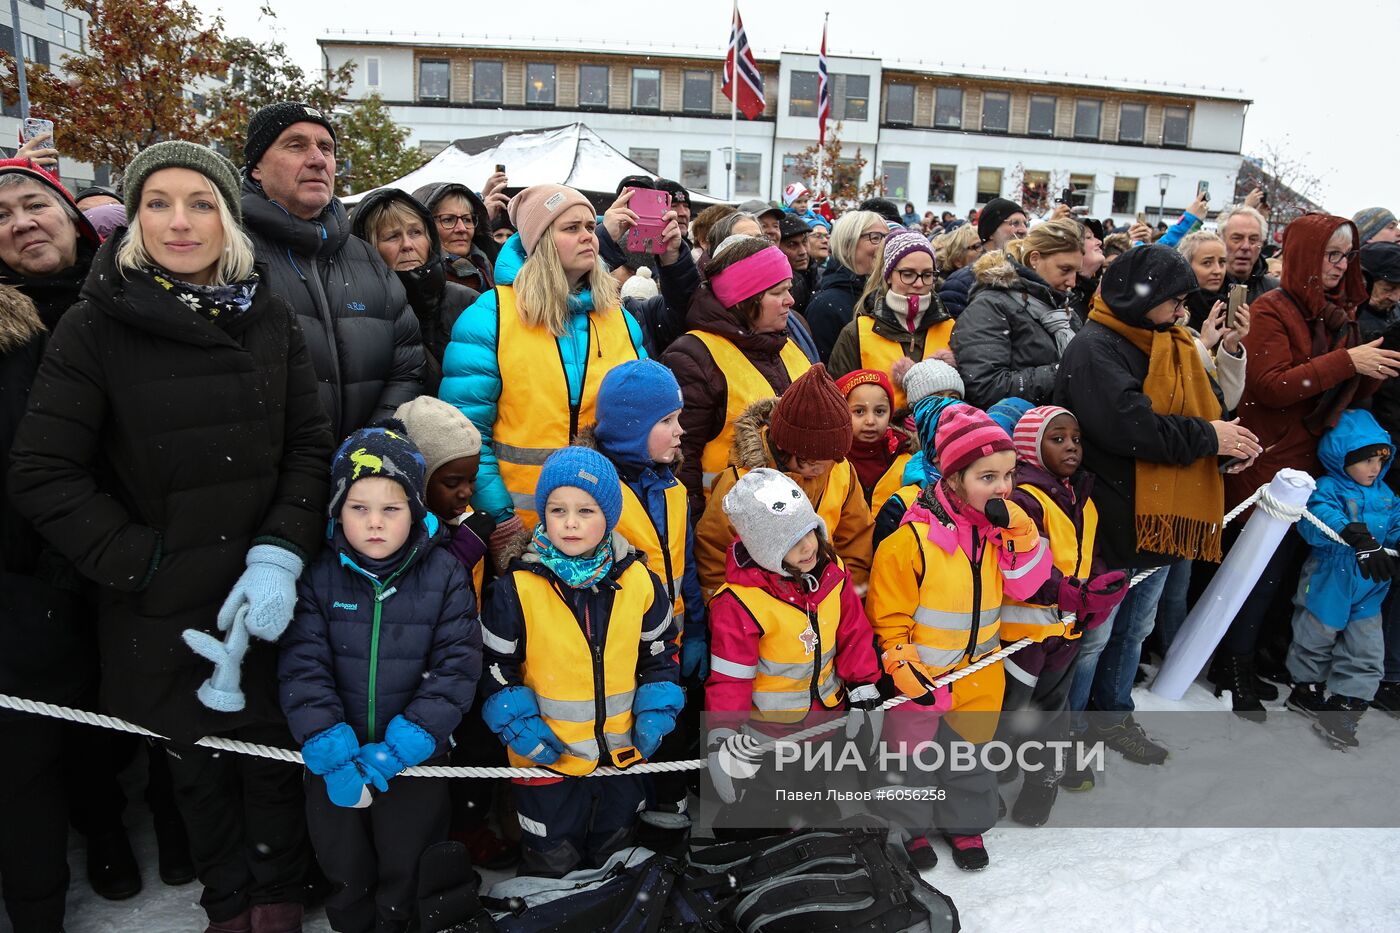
[{"x": 584, "y": 469}]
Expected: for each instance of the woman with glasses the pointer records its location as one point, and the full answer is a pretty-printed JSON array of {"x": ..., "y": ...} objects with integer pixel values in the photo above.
[
  {"x": 855, "y": 247},
  {"x": 899, "y": 315},
  {"x": 464, "y": 228},
  {"x": 1307, "y": 365},
  {"x": 1010, "y": 337}
]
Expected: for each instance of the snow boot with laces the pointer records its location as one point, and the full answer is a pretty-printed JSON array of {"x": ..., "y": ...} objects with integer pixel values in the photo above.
[
  {"x": 1338, "y": 720},
  {"x": 1127, "y": 738},
  {"x": 1236, "y": 674},
  {"x": 1306, "y": 698}
]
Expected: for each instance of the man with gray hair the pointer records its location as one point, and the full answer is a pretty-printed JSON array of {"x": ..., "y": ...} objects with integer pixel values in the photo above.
[
  {"x": 46, "y": 244},
  {"x": 1244, "y": 231}
]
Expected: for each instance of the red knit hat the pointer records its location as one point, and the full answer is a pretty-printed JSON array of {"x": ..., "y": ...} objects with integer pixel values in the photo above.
[
  {"x": 811, "y": 419},
  {"x": 865, "y": 377},
  {"x": 965, "y": 435}
]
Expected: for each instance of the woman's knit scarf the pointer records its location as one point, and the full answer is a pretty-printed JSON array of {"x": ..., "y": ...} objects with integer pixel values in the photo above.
[
  {"x": 576, "y": 572},
  {"x": 1178, "y": 509}
]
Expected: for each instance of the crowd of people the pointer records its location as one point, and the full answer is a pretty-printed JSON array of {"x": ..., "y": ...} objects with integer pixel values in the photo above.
[{"x": 458, "y": 478}]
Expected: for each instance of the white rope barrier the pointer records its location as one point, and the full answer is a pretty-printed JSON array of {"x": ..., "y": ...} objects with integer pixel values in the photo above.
[{"x": 1260, "y": 497}]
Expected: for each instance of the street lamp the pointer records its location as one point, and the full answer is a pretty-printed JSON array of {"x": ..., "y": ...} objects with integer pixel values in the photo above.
[
  {"x": 1162, "y": 179},
  {"x": 20, "y": 77},
  {"x": 728, "y": 176}
]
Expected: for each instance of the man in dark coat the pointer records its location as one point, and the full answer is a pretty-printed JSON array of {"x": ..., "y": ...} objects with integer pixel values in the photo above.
[
  {"x": 360, "y": 330},
  {"x": 1245, "y": 231},
  {"x": 1000, "y": 222},
  {"x": 793, "y": 232}
]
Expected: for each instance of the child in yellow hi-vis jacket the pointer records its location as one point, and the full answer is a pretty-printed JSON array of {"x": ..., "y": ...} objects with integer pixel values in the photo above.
[
  {"x": 580, "y": 668},
  {"x": 936, "y": 591}
]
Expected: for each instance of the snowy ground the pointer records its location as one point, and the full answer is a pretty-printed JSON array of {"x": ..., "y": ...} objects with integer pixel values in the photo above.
[{"x": 1235, "y": 880}]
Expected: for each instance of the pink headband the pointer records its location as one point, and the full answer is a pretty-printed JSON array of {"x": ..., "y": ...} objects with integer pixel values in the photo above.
[{"x": 749, "y": 276}]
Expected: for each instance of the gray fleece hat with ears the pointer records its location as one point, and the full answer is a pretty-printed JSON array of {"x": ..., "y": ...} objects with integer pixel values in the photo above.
[{"x": 770, "y": 513}]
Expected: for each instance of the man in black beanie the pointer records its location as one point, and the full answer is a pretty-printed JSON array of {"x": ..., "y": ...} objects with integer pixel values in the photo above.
[
  {"x": 360, "y": 330},
  {"x": 1000, "y": 222}
]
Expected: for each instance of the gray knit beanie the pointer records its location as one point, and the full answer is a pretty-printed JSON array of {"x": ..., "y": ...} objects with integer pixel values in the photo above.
[
  {"x": 1371, "y": 221},
  {"x": 176, "y": 153},
  {"x": 770, "y": 513},
  {"x": 930, "y": 377},
  {"x": 439, "y": 430}
]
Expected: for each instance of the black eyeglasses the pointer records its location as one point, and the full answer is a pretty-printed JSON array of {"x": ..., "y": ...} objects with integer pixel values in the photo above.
[
  {"x": 1336, "y": 256},
  {"x": 909, "y": 277},
  {"x": 874, "y": 237},
  {"x": 448, "y": 221}
]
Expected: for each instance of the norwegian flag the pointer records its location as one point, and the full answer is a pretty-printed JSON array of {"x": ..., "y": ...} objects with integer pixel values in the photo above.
[
  {"x": 823, "y": 92},
  {"x": 750, "y": 84}
]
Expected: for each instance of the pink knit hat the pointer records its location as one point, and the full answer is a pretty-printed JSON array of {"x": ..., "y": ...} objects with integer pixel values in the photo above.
[
  {"x": 965, "y": 435},
  {"x": 1030, "y": 431},
  {"x": 534, "y": 209}
]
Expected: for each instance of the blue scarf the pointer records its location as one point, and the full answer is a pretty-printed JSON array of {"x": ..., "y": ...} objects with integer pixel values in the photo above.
[{"x": 576, "y": 572}]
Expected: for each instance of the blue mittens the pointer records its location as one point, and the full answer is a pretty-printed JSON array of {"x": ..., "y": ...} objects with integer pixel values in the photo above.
[
  {"x": 695, "y": 653},
  {"x": 514, "y": 715},
  {"x": 268, "y": 588},
  {"x": 654, "y": 712},
  {"x": 331, "y": 754},
  {"x": 405, "y": 744}
]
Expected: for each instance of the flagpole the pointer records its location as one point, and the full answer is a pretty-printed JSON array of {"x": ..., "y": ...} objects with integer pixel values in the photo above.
[
  {"x": 733, "y": 107},
  {"x": 821, "y": 148}
]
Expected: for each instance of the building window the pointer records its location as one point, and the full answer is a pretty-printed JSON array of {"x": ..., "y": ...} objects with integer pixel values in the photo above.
[
  {"x": 646, "y": 89},
  {"x": 487, "y": 82},
  {"x": 850, "y": 97},
  {"x": 802, "y": 94},
  {"x": 845, "y": 176},
  {"x": 896, "y": 180},
  {"x": 988, "y": 184},
  {"x": 695, "y": 169},
  {"x": 64, "y": 29},
  {"x": 371, "y": 71},
  {"x": 748, "y": 169},
  {"x": 434, "y": 79},
  {"x": 649, "y": 159},
  {"x": 1081, "y": 191},
  {"x": 698, "y": 92},
  {"x": 947, "y": 108},
  {"x": 1086, "y": 119},
  {"x": 941, "y": 179},
  {"x": 593, "y": 86},
  {"x": 1176, "y": 122},
  {"x": 35, "y": 49},
  {"x": 1132, "y": 122},
  {"x": 996, "y": 112},
  {"x": 791, "y": 173},
  {"x": 899, "y": 104},
  {"x": 1042, "y": 116},
  {"x": 431, "y": 147},
  {"x": 539, "y": 84},
  {"x": 1125, "y": 195},
  {"x": 1035, "y": 191}
]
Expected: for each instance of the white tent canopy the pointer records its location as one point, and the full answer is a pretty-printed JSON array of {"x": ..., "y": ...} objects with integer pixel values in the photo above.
[{"x": 570, "y": 155}]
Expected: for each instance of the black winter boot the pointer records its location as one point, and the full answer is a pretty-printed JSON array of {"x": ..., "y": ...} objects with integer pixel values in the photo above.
[
  {"x": 1236, "y": 674},
  {"x": 1338, "y": 721},
  {"x": 1306, "y": 698},
  {"x": 1388, "y": 698},
  {"x": 111, "y": 866},
  {"x": 1035, "y": 800}
]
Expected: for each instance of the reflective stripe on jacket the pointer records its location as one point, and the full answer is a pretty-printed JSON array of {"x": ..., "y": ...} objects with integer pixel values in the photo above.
[
  {"x": 1073, "y": 554},
  {"x": 667, "y": 562}
]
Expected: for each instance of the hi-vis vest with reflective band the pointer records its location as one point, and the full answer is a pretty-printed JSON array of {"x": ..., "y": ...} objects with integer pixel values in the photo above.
[
  {"x": 744, "y": 385},
  {"x": 951, "y": 588},
  {"x": 880, "y": 353},
  {"x": 533, "y": 415},
  {"x": 796, "y": 654},
  {"x": 1073, "y": 554},
  {"x": 562, "y": 667},
  {"x": 889, "y": 484},
  {"x": 666, "y": 561}
]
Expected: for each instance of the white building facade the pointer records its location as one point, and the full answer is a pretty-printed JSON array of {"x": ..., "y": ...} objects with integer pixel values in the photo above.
[{"x": 940, "y": 141}]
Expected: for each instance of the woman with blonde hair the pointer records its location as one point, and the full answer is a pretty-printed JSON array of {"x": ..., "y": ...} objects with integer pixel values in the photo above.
[
  {"x": 525, "y": 362},
  {"x": 175, "y": 452},
  {"x": 855, "y": 248},
  {"x": 1010, "y": 337},
  {"x": 956, "y": 249}
]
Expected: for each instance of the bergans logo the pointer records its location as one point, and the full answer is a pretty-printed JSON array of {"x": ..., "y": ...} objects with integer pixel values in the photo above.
[
  {"x": 350, "y": 606},
  {"x": 355, "y": 305}
]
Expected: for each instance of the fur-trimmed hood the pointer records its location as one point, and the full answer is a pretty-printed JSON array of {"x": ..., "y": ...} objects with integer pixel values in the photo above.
[
  {"x": 996, "y": 270},
  {"x": 750, "y": 449},
  {"x": 19, "y": 319}
]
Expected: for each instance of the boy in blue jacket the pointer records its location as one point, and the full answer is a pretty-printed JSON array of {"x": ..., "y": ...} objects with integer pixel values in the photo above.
[
  {"x": 581, "y": 668},
  {"x": 1337, "y": 637},
  {"x": 377, "y": 667}
]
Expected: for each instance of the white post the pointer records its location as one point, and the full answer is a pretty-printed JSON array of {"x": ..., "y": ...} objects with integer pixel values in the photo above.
[
  {"x": 733, "y": 108},
  {"x": 1216, "y": 608}
]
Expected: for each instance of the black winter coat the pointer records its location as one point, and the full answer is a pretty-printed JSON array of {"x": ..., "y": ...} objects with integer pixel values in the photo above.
[
  {"x": 954, "y": 292},
  {"x": 1100, "y": 380},
  {"x": 833, "y": 306},
  {"x": 362, "y": 335},
  {"x": 349, "y": 657},
  {"x": 158, "y": 448},
  {"x": 1258, "y": 282}
]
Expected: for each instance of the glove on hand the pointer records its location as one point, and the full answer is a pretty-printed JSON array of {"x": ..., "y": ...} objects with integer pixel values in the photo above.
[
  {"x": 331, "y": 753},
  {"x": 733, "y": 759},
  {"x": 222, "y": 692},
  {"x": 268, "y": 588},
  {"x": 654, "y": 712},
  {"x": 514, "y": 715},
  {"x": 505, "y": 533},
  {"x": 405, "y": 744},
  {"x": 1371, "y": 559},
  {"x": 909, "y": 674},
  {"x": 695, "y": 656},
  {"x": 1019, "y": 532},
  {"x": 866, "y": 719},
  {"x": 1102, "y": 595},
  {"x": 648, "y": 729}
]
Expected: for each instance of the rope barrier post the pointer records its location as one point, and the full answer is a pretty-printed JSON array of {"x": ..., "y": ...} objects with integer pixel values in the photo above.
[{"x": 1280, "y": 505}]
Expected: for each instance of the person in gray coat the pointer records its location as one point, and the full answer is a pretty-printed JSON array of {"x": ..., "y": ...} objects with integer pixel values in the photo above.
[
  {"x": 1010, "y": 337},
  {"x": 360, "y": 330}
]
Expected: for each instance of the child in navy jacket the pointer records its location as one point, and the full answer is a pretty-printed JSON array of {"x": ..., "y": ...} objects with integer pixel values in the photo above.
[{"x": 377, "y": 668}]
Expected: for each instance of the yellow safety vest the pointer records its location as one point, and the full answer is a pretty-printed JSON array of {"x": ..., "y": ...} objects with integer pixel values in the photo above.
[
  {"x": 1073, "y": 554},
  {"x": 666, "y": 562},
  {"x": 890, "y": 483},
  {"x": 880, "y": 353},
  {"x": 744, "y": 385},
  {"x": 533, "y": 416},
  {"x": 796, "y": 653},
  {"x": 562, "y": 667}
]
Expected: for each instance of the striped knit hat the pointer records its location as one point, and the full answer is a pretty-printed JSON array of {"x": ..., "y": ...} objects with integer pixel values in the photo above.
[
  {"x": 901, "y": 243},
  {"x": 965, "y": 435},
  {"x": 1030, "y": 431}
]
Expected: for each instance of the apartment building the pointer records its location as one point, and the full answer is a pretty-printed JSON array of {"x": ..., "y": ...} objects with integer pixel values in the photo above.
[{"x": 935, "y": 138}]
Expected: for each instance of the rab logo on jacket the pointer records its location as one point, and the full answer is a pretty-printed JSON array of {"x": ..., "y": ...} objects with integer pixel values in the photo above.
[
  {"x": 354, "y": 306},
  {"x": 353, "y": 607}
]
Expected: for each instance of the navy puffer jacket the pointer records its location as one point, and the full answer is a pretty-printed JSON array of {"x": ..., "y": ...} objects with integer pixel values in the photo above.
[{"x": 362, "y": 652}]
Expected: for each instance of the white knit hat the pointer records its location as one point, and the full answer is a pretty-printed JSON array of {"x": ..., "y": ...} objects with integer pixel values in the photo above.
[
  {"x": 439, "y": 430},
  {"x": 929, "y": 377}
]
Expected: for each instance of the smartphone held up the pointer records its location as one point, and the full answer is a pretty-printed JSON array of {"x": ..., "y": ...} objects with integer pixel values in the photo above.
[{"x": 650, "y": 206}]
